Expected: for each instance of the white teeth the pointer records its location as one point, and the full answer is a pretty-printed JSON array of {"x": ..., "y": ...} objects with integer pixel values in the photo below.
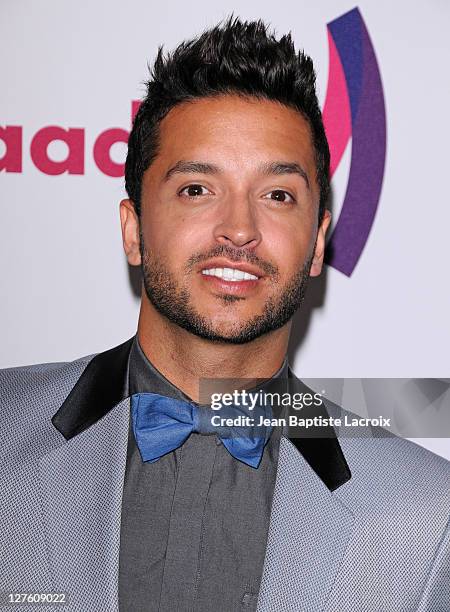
[{"x": 229, "y": 274}]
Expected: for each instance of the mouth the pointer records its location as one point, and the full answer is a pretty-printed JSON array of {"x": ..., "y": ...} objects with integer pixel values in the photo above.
[
  {"x": 230, "y": 270},
  {"x": 235, "y": 279},
  {"x": 231, "y": 277}
]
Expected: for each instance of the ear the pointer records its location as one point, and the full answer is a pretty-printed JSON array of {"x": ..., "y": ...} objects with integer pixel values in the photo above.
[
  {"x": 130, "y": 232},
  {"x": 319, "y": 250}
]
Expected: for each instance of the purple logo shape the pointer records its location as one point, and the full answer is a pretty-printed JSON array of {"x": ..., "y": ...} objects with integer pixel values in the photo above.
[{"x": 354, "y": 107}]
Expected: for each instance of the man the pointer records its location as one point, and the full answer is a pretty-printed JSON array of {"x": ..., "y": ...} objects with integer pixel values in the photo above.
[{"x": 227, "y": 178}]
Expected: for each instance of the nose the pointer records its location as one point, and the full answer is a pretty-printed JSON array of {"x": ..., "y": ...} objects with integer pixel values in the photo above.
[{"x": 238, "y": 225}]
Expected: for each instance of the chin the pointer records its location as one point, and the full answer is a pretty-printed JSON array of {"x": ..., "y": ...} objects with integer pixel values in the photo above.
[{"x": 229, "y": 326}]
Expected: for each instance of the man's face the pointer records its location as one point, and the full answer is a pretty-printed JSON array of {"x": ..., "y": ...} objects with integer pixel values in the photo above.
[{"x": 229, "y": 217}]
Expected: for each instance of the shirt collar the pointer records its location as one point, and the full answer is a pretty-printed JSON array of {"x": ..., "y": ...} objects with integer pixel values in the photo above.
[
  {"x": 105, "y": 382},
  {"x": 144, "y": 377}
]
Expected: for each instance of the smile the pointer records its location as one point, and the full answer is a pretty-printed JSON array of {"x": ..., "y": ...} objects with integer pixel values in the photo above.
[{"x": 229, "y": 274}]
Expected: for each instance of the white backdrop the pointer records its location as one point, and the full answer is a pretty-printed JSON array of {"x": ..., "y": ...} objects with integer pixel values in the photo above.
[{"x": 66, "y": 285}]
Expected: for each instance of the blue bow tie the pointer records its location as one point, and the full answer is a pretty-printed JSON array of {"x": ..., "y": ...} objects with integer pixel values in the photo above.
[{"x": 162, "y": 424}]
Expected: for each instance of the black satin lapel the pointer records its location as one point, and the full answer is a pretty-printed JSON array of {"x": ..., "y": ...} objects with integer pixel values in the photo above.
[
  {"x": 319, "y": 445},
  {"x": 102, "y": 385}
]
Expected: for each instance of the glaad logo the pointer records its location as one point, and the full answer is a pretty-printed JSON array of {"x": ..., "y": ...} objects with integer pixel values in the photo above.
[
  {"x": 354, "y": 109},
  {"x": 74, "y": 140}
]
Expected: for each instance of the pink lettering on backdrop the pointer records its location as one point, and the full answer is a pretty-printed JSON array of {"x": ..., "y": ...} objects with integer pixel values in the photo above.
[
  {"x": 12, "y": 139},
  {"x": 102, "y": 149},
  {"x": 11, "y": 161},
  {"x": 105, "y": 141},
  {"x": 74, "y": 139}
]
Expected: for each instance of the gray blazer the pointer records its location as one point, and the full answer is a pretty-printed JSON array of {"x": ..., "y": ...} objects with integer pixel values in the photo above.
[{"x": 359, "y": 525}]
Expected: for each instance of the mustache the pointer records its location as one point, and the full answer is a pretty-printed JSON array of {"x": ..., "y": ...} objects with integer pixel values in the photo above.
[{"x": 234, "y": 255}]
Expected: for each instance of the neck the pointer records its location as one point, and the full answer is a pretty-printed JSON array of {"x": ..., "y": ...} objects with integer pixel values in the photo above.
[{"x": 184, "y": 358}]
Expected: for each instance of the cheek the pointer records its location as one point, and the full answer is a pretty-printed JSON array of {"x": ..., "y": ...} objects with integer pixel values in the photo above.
[
  {"x": 289, "y": 243},
  {"x": 175, "y": 240}
]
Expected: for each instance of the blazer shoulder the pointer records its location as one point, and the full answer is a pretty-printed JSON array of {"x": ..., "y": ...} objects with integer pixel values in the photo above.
[
  {"x": 18, "y": 382},
  {"x": 29, "y": 397},
  {"x": 393, "y": 474}
]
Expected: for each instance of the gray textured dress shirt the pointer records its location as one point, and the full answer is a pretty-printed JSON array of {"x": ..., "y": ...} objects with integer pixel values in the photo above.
[{"x": 194, "y": 523}]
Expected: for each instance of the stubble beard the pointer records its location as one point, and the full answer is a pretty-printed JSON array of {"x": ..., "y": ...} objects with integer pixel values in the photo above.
[{"x": 174, "y": 301}]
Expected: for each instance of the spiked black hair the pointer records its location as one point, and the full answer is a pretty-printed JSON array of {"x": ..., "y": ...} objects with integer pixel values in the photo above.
[{"x": 235, "y": 57}]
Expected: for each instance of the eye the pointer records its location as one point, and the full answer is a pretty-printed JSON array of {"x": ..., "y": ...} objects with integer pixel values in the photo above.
[
  {"x": 194, "y": 190},
  {"x": 279, "y": 195}
]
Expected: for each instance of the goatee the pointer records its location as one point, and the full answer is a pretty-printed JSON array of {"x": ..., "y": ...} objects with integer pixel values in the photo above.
[{"x": 173, "y": 301}]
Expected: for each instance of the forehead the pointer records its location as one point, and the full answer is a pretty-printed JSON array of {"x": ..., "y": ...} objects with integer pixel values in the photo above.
[{"x": 235, "y": 131}]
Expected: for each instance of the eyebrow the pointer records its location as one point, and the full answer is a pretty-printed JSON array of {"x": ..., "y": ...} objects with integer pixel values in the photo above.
[
  {"x": 270, "y": 168},
  {"x": 192, "y": 167},
  {"x": 280, "y": 167}
]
